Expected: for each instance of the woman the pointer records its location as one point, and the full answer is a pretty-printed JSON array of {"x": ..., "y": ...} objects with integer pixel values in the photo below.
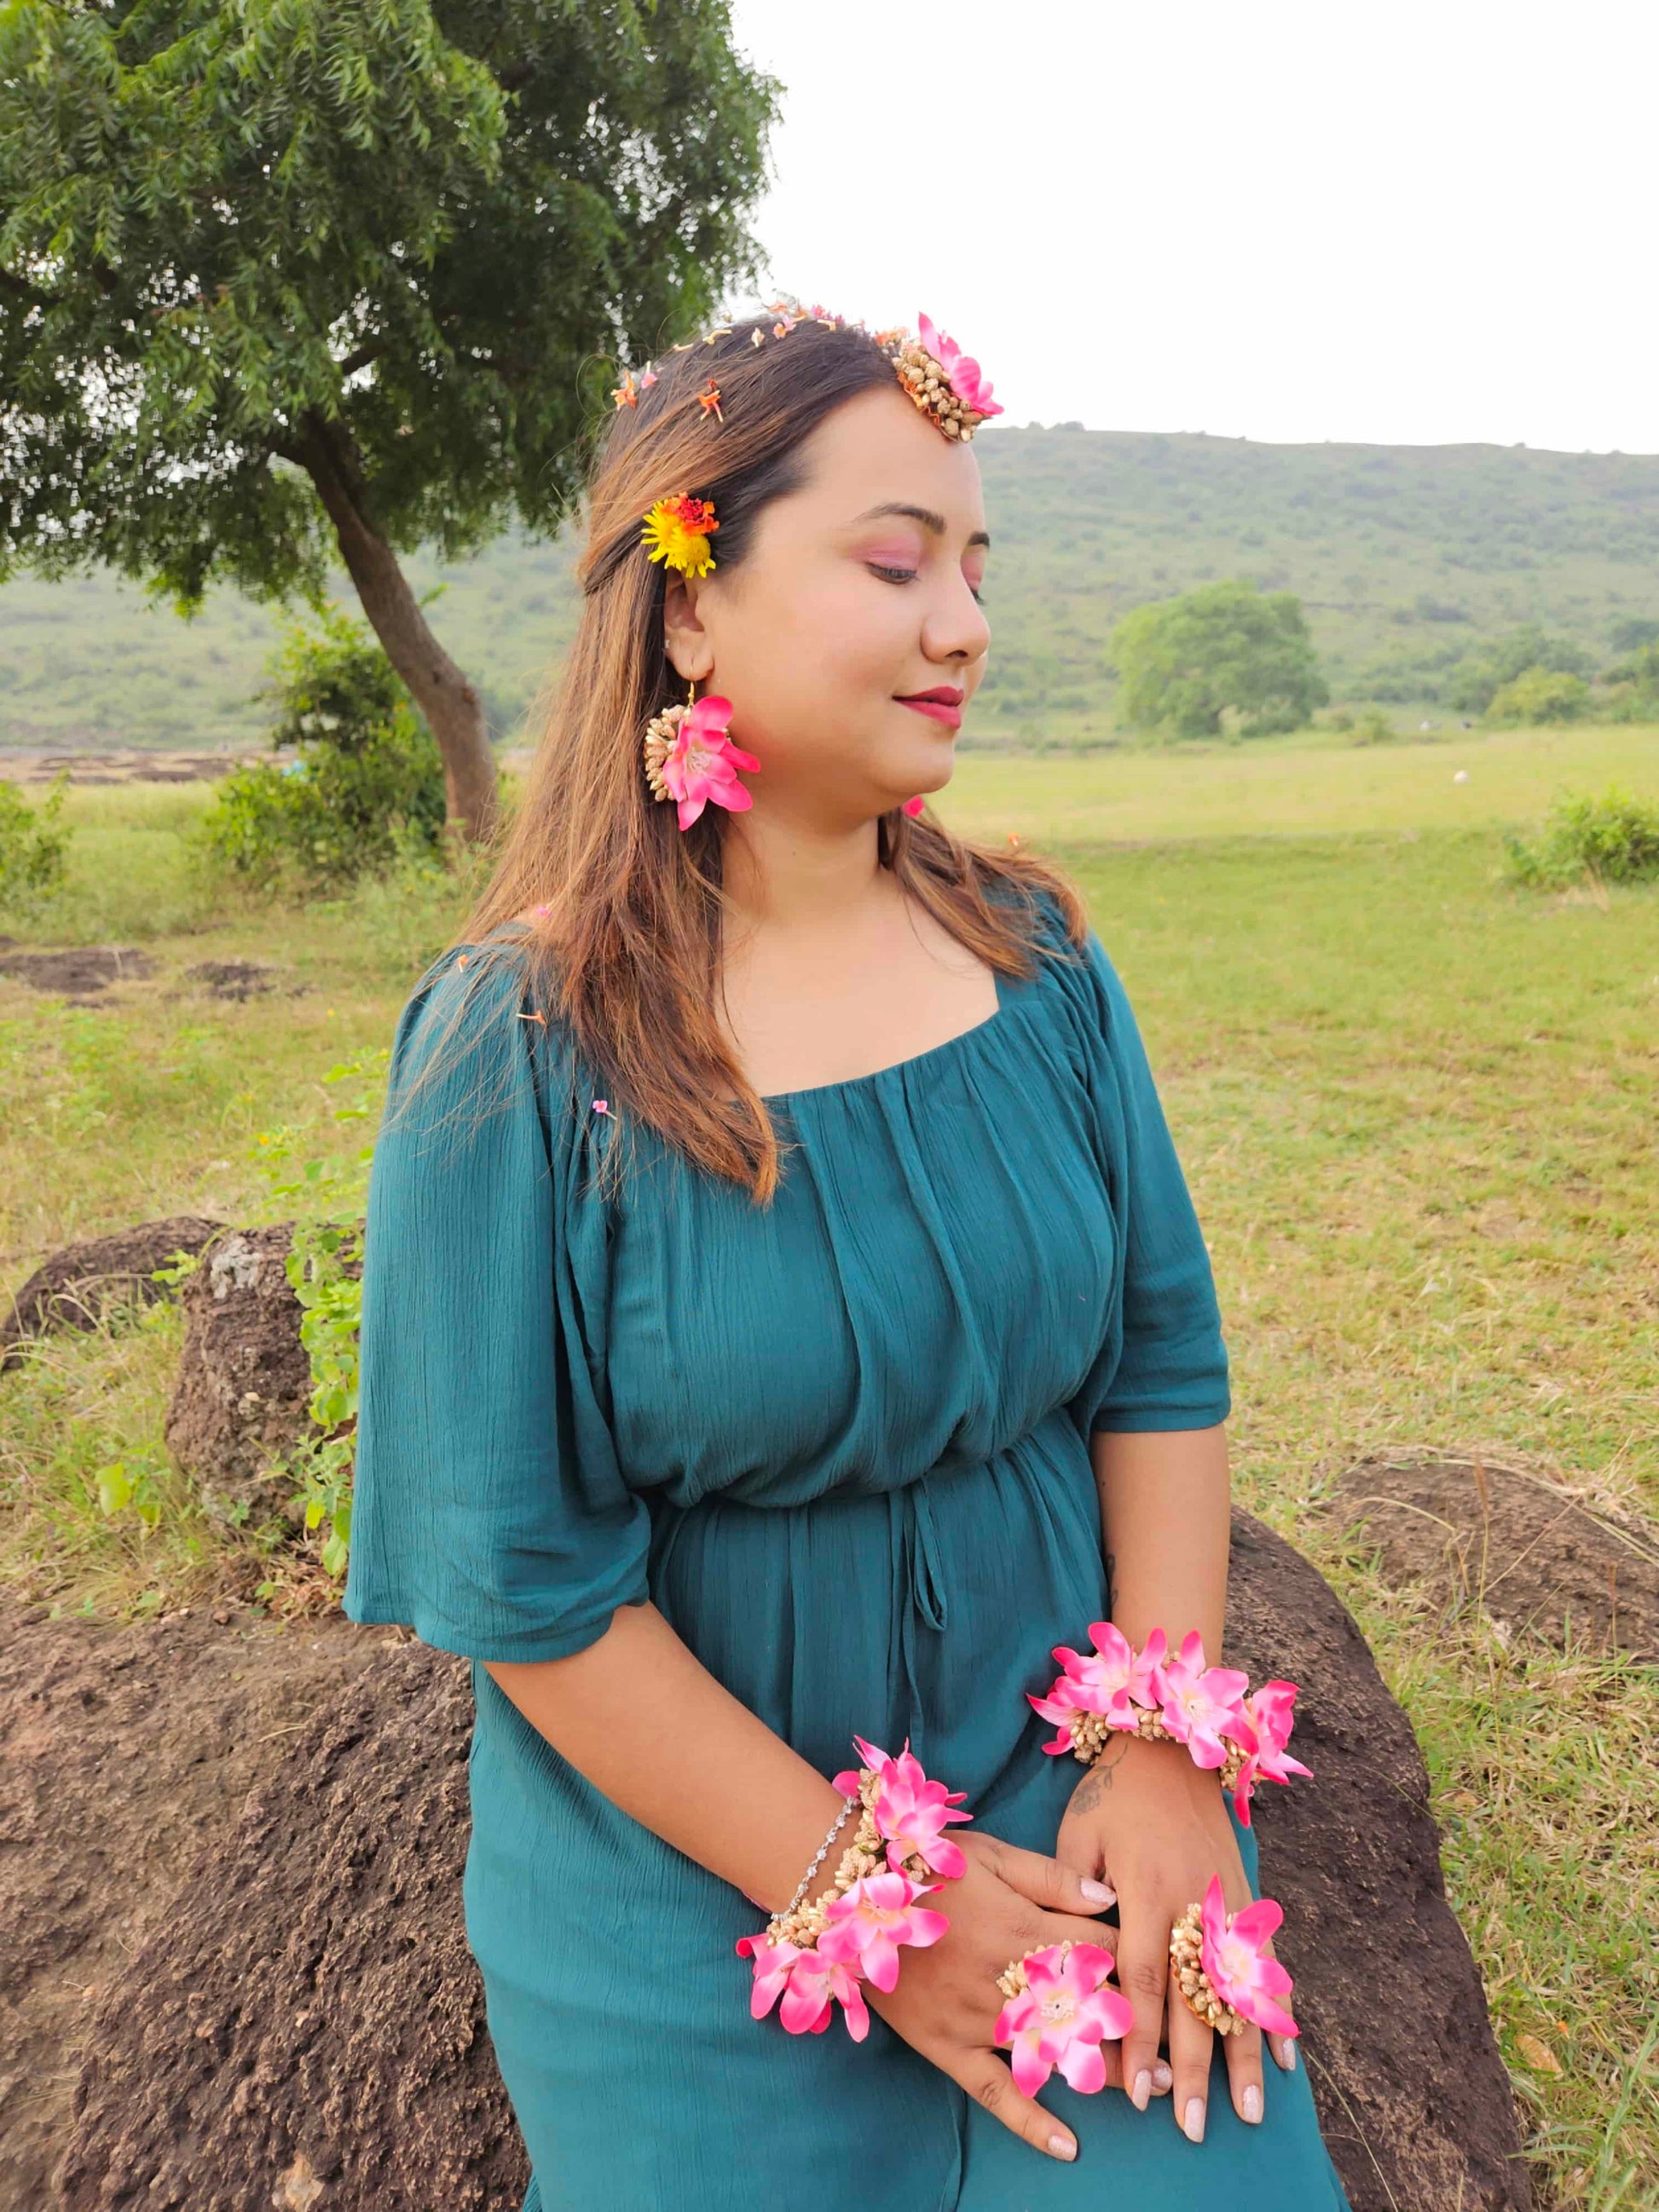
[{"x": 785, "y": 1321}]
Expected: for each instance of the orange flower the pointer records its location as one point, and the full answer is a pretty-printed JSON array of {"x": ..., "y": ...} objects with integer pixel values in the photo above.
[
  {"x": 709, "y": 399},
  {"x": 676, "y": 532}
]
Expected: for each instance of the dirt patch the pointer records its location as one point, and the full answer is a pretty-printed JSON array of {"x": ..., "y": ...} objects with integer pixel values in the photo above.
[
  {"x": 243, "y": 1384},
  {"x": 237, "y": 980},
  {"x": 125, "y": 1751},
  {"x": 125, "y": 765},
  {"x": 78, "y": 970},
  {"x": 1534, "y": 1557}
]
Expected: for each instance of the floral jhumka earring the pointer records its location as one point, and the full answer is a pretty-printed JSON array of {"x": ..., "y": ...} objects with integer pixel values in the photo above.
[{"x": 689, "y": 757}]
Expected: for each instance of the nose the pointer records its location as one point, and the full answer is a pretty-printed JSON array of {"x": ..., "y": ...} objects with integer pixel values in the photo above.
[{"x": 956, "y": 629}]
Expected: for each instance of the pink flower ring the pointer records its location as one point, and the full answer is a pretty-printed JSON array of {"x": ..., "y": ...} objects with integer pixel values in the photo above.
[{"x": 1061, "y": 2017}]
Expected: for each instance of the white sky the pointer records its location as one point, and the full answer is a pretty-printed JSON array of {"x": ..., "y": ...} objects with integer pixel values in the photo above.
[{"x": 1414, "y": 223}]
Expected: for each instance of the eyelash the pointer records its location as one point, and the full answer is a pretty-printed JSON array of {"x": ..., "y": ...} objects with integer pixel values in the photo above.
[{"x": 907, "y": 576}]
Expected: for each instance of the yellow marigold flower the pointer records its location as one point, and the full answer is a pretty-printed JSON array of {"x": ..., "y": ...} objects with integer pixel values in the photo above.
[{"x": 676, "y": 532}]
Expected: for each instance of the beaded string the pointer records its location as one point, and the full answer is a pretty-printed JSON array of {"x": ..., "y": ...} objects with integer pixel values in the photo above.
[{"x": 806, "y": 1882}]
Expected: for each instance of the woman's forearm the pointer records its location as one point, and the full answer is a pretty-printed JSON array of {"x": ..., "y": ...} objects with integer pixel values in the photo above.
[
  {"x": 1165, "y": 1519},
  {"x": 645, "y": 1721}
]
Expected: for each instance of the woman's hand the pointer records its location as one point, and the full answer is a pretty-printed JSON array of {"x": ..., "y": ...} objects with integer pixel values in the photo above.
[
  {"x": 1007, "y": 1902},
  {"x": 1154, "y": 1826}
]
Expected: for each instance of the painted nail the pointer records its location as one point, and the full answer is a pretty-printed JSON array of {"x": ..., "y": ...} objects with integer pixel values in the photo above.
[
  {"x": 1251, "y": 2103},
  {"x": 1142, "y": 2093},
  {"x": 1098, "y": 1893},
  {"x": 1193, "y": 2120},
  {"x": 1062, "y": 2146},
  {"x": 1288, "y": 2053},
  {"x": 1163, "y": 2080}
]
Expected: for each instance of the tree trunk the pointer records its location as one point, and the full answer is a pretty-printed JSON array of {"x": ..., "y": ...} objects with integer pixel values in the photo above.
[{"x": 453, "y": 708}]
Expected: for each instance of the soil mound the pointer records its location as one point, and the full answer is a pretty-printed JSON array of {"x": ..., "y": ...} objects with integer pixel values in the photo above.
[
  {"x": 236, "y": 980},
  {"x": 244, "y": 1380},
  {"x": 75, "y": 1286},
  {"x": 1524, "y": 1550},
  {"x": 290, "y": 2016}
]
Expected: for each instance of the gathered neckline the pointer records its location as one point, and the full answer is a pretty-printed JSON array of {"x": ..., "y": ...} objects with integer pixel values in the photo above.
[{"x": 1010, "y": 990}]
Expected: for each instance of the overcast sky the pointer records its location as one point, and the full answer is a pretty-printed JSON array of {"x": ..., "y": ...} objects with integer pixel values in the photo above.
[{"x": 1289, "y": 220}]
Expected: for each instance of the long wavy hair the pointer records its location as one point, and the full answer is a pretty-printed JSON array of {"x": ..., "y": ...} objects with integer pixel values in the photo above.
[{"x": 622, "y": 910}]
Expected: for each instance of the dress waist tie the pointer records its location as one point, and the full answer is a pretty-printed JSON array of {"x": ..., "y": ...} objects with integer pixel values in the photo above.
[{"x": 920, "y": 1600}]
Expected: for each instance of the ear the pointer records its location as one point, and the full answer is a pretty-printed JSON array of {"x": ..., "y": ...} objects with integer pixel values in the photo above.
[{"x": 685, "y": 640}]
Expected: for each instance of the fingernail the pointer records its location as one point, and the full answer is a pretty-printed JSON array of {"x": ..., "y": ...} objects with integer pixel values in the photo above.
[
  {"x": 1142, "y": 2093},
  {"x": 1287, "y": 2052},
  {"x": 1062, "y": 2146},
  {"x": 1098, "y": 1893},
  {"x": 1162, "y": 2079},
  {"x": 1251, "y": 2103},
  {"x": 1192, "y": 2119}
]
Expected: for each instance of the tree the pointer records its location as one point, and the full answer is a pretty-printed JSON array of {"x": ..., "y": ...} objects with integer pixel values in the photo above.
[
  {"x": 1183, "y": 663},
  {"x": 294, "y": 269},
  {"x": 1540, "y": 695},
  {"x": 1478, "y": 681}
]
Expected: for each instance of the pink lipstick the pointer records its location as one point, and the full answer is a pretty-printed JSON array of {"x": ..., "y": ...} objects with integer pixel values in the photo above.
[{"x": 942, "y": 704}]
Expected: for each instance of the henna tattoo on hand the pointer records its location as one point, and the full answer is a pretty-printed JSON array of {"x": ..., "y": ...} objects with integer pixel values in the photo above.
[{"x": 1087, "y": 1795}]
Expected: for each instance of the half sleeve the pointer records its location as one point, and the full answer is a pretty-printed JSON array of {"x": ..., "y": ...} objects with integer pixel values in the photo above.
[
  {"x": 1165, "y": 1366},
  {"x": 490, "y": 1512}
]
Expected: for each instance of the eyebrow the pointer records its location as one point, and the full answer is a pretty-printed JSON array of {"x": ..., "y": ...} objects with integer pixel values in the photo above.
[{"x": 925, "y": 515}]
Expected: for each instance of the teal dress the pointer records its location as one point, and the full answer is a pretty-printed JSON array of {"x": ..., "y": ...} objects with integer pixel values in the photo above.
[{"x": 842, "y": 1443}]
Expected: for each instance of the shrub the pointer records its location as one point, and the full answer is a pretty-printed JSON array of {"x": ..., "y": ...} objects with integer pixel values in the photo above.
[
  {"x": 33, "y": 849},
  {"x": 1539, "y": 695},
  {"x": 1371, "y": 726},
  {"x": 364, "y": 789},
  {"x": 1613, "y": 838},
  {"x": 1477, "y": 681}
]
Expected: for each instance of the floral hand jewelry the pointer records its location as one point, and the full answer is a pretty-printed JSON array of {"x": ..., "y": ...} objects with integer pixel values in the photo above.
[
  {"x": 1179, "y": 1700},
  {"x": 689, "y": 757},
  {"x": 814, "y": 1956},
  {"x": 1058, "y": 2013},
  {"x": 1221, "y": 1968}
]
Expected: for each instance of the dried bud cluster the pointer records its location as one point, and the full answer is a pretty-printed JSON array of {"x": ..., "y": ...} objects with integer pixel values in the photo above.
[
  {"x": 929, "y": 385},
  {"x": 1011, "y": 1980},
  {"x": 1092, "y": 1732},
  {"x": 659, "y": 734},
  {"x": 865, "y": 1855},
  {"x": 1187, "y": 1965}
]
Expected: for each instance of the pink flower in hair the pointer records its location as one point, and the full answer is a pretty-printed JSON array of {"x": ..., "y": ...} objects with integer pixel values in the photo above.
[
  {"x": 1235, "y": 1963},
  {"x": 910, "y": 1812},
  {"x": 1112, "y": 1681},
  {"x": 1062, "y": 2016},
  {"x": 1199, "y": 1705},
  {"x": 970, "y": 386},
  {"x": 702, "y": 763},
  {"x": 914, "y": 806},
  {"x": 871, "y": 1917}
]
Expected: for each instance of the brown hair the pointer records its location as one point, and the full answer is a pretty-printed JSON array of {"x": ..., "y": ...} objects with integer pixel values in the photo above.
[{"x": 624, "y": 907}]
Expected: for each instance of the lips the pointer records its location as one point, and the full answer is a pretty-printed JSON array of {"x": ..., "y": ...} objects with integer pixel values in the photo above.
[{"x": 942, "y": 704}]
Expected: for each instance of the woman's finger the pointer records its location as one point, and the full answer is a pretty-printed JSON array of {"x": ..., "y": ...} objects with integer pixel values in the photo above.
[
  {"x": 1143, "y": 1972},
  {"x": 1191, "y": 2042},
  {"x": 1046, "y": 1881},
  {"x": 987, "y": 2079},
  {"x": 1244, "y": 2054}
]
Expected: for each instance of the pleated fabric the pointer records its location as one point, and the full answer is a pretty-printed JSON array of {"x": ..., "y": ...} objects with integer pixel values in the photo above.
[{"x": 842, "y": 1443}]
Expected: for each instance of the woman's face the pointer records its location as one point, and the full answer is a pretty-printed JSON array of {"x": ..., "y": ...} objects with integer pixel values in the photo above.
[{"x": 856, "y": 592}]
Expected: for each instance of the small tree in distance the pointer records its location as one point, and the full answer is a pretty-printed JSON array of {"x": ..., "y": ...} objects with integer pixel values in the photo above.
[
  {"x": 1183, "y": 663},
  {"x": 357, "y": 271}
]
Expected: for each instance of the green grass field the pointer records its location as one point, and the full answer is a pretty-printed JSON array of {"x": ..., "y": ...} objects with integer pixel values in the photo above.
[{"x": 1417, "y": 1109}]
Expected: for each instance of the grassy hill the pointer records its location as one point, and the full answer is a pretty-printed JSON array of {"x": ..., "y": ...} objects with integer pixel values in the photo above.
[{"x": 1408, "y": 559}]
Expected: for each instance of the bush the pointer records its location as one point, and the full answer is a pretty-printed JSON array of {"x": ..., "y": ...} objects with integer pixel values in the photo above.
[
  {"x": 1477, "y": 681},
  {"x": 33, "y": 849},
  {"x": 1614, "y": 839},
  {"x": 1539, "y": 695},
  {"x": 365, "y": 788},
  {"x": 1371, "y": 726}
]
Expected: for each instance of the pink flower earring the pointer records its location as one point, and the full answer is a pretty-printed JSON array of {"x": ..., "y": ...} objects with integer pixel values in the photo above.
[{"x": 689, "y": 757}]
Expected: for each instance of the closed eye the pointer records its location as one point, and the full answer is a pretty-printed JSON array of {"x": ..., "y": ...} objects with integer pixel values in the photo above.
[{"x": 908, "y": 576}]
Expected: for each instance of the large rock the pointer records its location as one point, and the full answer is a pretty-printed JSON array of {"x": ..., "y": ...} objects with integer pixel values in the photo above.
[
  {"x": 78, "y": 1286},
  {"x": 1412, "y": 2096},
  {"x": 244, "y": 1379},
  {"x": 308, "y": 2029}
]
